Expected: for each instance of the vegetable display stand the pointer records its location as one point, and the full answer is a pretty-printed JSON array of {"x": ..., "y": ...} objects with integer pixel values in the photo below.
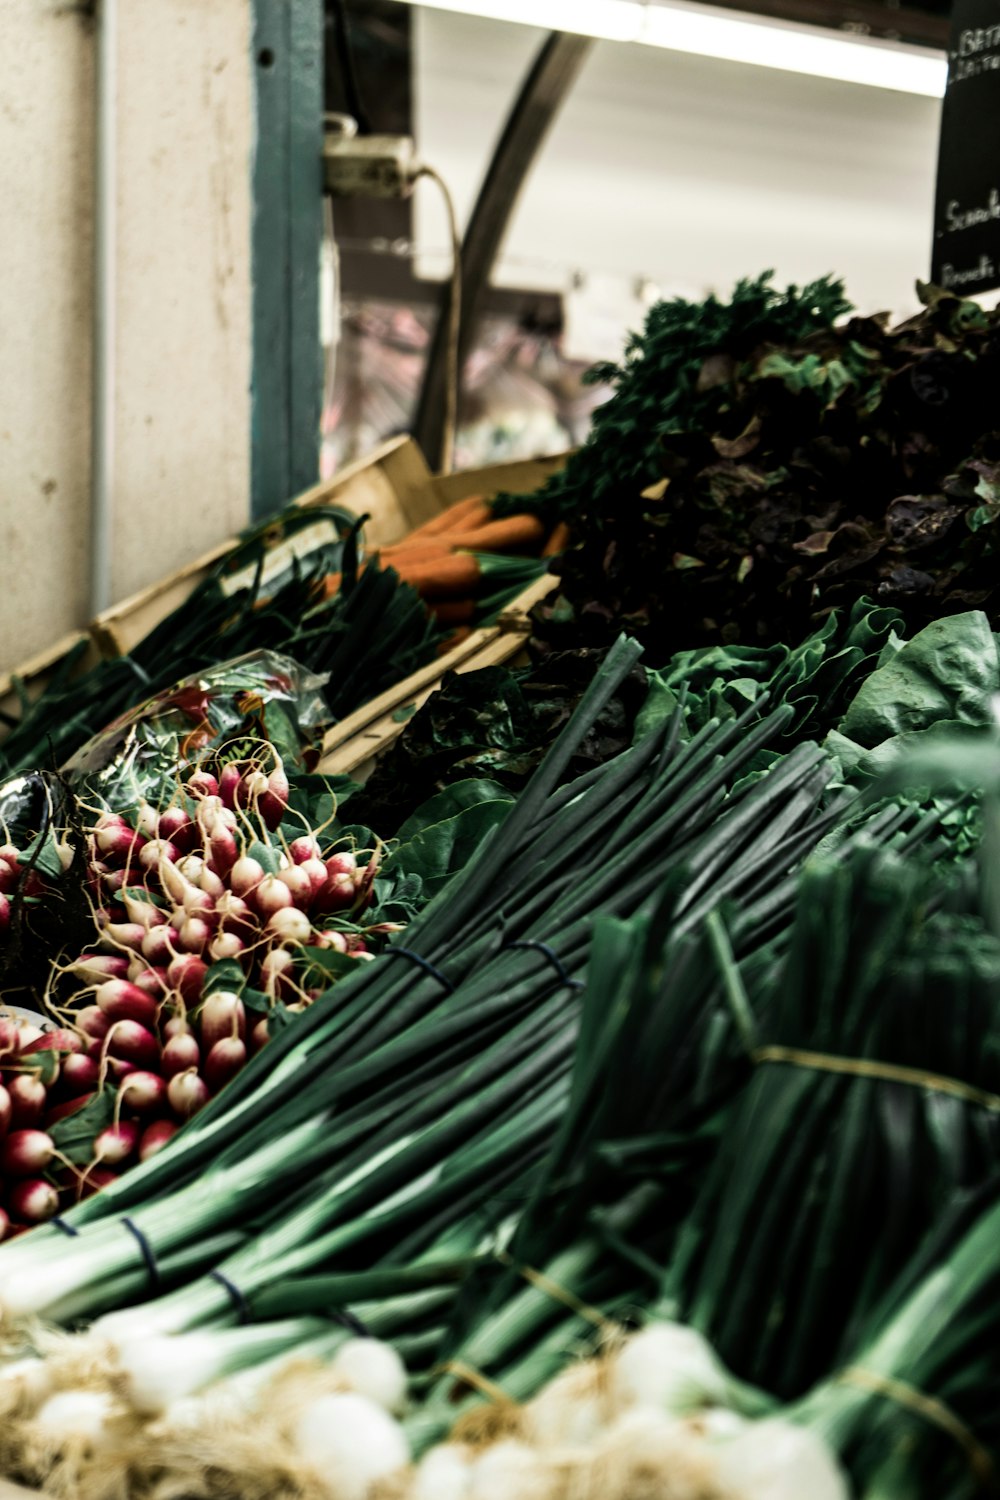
[{"x": 351, "y": 745}]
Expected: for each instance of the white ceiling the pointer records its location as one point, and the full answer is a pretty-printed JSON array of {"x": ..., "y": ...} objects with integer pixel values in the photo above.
[{"x": 685, "y": 170}]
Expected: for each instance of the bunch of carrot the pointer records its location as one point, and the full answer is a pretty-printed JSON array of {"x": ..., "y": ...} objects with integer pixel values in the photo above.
[{"x": 442, "y": 559}]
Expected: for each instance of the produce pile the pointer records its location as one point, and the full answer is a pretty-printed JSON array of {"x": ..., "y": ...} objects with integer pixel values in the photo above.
[
  {"x": 758, "y": 467},
  {"x": 627, "y": 1120}
]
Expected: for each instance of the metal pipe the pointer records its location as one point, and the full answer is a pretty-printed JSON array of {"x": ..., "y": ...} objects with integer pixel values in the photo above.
[{"x": 102, "y": 456}]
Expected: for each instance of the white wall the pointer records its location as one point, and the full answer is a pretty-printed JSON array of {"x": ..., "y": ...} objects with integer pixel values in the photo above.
[
  {"x": 685, "y": 170},
  {"x": 184, "y": 307}
]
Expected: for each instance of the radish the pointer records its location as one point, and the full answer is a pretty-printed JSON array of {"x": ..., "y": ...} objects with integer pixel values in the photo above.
[
  {"x": 225, "y": 945},
  {"x": 187, "y": 1094},
  {"x": 115, "y": 1143},
  {"x": 160, "y": 945},
  {"x": 155, "y": 1137},
  {"x": 147, "y": 820},
  {"x": 187, "y": 974},
  {"x": 117, "y": 841},
  {"x": 251, "y": 786},
  {"x": 224, "y": 851},
  {"x": 122, "y": 1001},
  {"x": 326, "y": 939},
  {"x": 145, "y": 1093},
  {"x": 66, "y": 1108},
  {"x": 344, "y": 863},
  {"x": 317, "y": 872},
  {"x": 34, "y": 1201},
  {"x": 180, "y": 1055},
  {"x": 93, "y": 1022},
  {"x": 10, "y": 1039},
  {"x": 245, "y": 876},
  {"x": 229, "y": 780},
  {"x": 260, "y": 1035},
  {"x": 194, "y": 934},
  {"x": 157, "y": 853},
  {"x": 273, "y": 804},
  {"x": 4, "y": 1225},
  {"x": 224, "y": 1061},
  {"x": 290, "y": 926},
  {"x": 177, "y": 1025},
  {"x": 8, "y": 877},
  {"x": 222, "y": 1015},
  {"x": 234, "y": 915},
  {"x": 79, "y": 1075},
  {"x": 112, "y": 881},
  {"x": 132, "y": 1043},
  {"x": 203, "y": 784},
  {"x": 178, "y": 826},
  {"x": 95, "y": 967},
  {"x": 118, "y": 935},
  {"x": 152, "y": 981},
  {"x": 28, "y": 1096},
  {"x": 299, "y": 882},
  {"x": 56, "y": 1040},
  {"x": 338, "y": 894},
  {"x": 276, "y": 970},
  {"x": 6, "y": 1110},
  {"x": 304, "y": 848},
  {"x": 97, "y": 1177},
  {"x": 119, "y": 1068},
  {"x": 271, "y": 895},
  {"x": 145, "y": 914},
  {"x": 27, "y": 1153},
  {"x": 66, "y": 853}
]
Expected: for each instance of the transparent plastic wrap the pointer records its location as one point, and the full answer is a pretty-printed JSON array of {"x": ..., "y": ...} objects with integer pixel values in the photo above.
[{"x": 260, "y": 696}]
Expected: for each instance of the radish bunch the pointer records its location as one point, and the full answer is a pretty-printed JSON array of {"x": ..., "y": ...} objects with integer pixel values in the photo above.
[{"x": 209, "y": 921}]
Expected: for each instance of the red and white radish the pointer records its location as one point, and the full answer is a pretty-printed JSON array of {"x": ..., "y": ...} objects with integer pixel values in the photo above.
[
  {"x": 33, "y": 1202},
  {"x": 224, "y": 1061},
  {"x": 122, "y": 1001},
  {"x": 144, "y": 1093},
  {"x": 289, "y": 926},
  {"x": 28, "y": 1097},
  {"x": 222, "y": 1015},
  {"x": 187, "y": 1094},
  {"x": 155, "y": 1137},
  {"x": 27, "y": 1153},
  {"x": 115, "y": 1143},
  {"x": 180, "y": 1054}
]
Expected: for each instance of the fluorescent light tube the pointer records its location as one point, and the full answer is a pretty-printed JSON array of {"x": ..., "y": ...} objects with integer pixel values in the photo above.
[{"x": 711, "y": 32}]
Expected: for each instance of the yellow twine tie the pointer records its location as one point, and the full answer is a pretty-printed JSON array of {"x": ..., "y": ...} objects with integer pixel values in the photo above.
[
  {"x": 474, "y": 1378},
  {"x": 559, "y": 1293},
  {"x": 865, "y": 1067},
  {"x": 933, "y": 1411}
]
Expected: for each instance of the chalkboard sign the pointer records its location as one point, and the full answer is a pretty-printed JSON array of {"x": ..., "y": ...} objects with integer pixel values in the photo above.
[{"x": 966, "y": 256}]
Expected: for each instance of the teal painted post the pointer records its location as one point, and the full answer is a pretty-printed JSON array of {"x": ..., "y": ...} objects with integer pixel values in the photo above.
[{"x": 287, "y": 373}]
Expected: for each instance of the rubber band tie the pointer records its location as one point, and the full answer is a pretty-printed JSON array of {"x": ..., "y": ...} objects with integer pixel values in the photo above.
[
  {"x": 147, "y": 1253},
  {"x": 553, "y": 958},
  {"x": 422, "y": 963},
  {"x": 865, "y": 1067},
  {"x": 235, "y": 1295},
  {"x": 66, "y": 1228},
  {"x": 931, "y": 1410}
]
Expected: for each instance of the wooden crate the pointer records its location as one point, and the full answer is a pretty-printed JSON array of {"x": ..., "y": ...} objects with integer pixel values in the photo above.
[
  {"x": 37, "y": 670},
  {"x": 392, "y": 486}
]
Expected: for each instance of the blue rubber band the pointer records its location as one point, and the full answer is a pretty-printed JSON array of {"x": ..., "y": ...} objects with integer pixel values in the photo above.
[
  {"x": 147, "y": 1253},
  {"x": 553, "y": 958},
  {"x": 428, "y": 968},
  {"x": 66, "y": 1228},
  {"x": 346, "y": 1319},
  {"x": 235, "y": 1295}
]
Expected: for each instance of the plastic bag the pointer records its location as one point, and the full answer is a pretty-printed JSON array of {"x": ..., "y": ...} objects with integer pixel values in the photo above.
[{"x": 260, "y": 696}]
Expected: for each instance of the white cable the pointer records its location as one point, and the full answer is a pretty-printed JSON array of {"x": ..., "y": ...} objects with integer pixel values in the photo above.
[{"x": 453, "y": 373}]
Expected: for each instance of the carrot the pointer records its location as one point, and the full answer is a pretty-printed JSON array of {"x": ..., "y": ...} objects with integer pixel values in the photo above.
[
  {"x": 558, "y": 540},
  {"x": 441, "y": 578},
  {"x": 469, "y": 520},
  {"x": 511, "y": 532},
  {"x": 445, "y": 518},
  {"x": 453, "y": 611}
]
